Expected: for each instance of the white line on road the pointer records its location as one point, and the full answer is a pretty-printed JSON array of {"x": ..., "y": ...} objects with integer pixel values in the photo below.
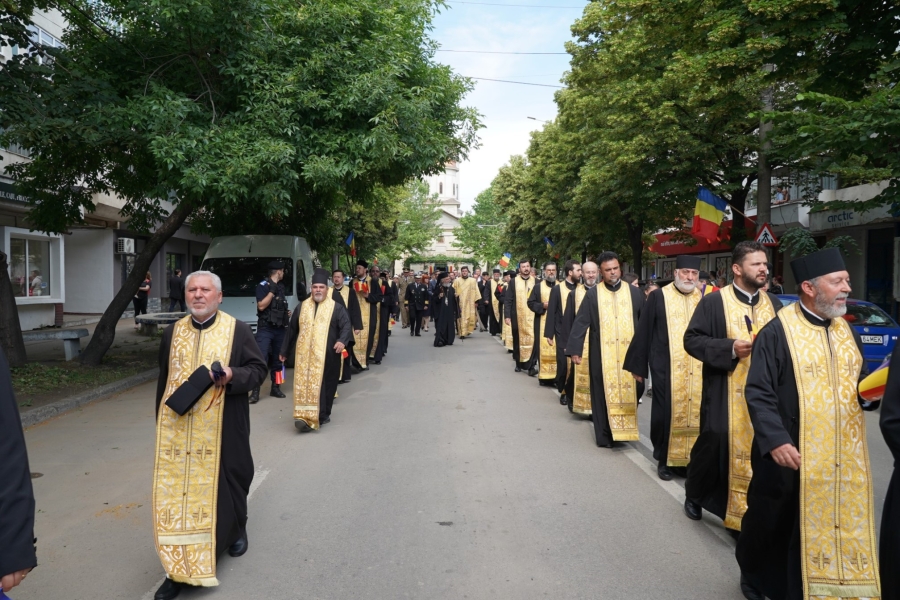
[{"x": 258, "y": 478}]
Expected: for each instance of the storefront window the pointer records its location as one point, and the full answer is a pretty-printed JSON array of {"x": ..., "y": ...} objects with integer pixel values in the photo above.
[{"x": 29, "y": 262}]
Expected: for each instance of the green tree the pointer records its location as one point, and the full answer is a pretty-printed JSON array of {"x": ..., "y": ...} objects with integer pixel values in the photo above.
[
  {"x": 262, "y": 112},
  {"x": 415, "y": 225},
  {"x": 482, "y": 230}
]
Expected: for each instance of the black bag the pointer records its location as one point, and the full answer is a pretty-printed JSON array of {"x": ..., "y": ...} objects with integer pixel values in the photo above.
[{"x": 189, "y": 392}]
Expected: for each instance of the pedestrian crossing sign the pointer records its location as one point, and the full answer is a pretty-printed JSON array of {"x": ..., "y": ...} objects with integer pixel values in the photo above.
[{"x": 766, "y": 237}]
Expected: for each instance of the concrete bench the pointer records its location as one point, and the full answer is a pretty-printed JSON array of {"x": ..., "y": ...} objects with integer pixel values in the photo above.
[
  {"x": 71, "y": 339},
  {"x": 150, "y": 323}
]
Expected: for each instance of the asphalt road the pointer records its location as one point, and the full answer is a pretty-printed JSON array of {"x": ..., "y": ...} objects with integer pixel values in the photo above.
[{"x": 443, "y": 474}]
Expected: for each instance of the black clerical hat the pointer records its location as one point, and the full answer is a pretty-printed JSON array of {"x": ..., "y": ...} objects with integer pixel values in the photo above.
[
  {"x": 442, "y": 275},
  {"x": 511, "y": 273},
  {"x": 685, "y": 261},
  {"x": 817, "y": 264},
  {"x": 362, "y": 263},
  {"x": 320, "y": 276},
  {"x": 497, "y": 271},
  {"x": 276, "y": 265},
  {"x": 704, "y": 275}
]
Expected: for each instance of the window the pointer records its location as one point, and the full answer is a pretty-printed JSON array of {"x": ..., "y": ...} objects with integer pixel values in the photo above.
[
  {"x": 440, "y": 239},
  {"x": 441, "y": 187},
  {"x": 29, "y": 265},
  {"x": 241, "y": 275},
  {"x": 43, "y": 38}
]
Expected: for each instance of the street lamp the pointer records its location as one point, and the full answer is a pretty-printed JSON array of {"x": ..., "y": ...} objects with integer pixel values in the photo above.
[{"x": 538, "y": 120}]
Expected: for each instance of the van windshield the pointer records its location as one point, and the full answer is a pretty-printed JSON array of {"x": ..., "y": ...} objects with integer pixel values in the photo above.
[{"x": 240, "y": 276}]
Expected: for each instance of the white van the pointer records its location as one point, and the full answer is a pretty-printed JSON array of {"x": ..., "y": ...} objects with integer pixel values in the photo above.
[{"x": 241, "y": 262}]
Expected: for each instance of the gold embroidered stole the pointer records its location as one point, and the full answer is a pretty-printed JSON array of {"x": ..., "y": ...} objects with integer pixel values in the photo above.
[
  {"x": 466, "y": 295},
  {"x": 309, "y": 366},
  {"x": 685, "y": 378},
  {"x": 188, "y": 451},
  {"x": 361, "y": 345},
  {"x": 495, "y": 304},
  {"x": 376, "y": 283},
  {"x": 345, "y": 295},
  {"x": 507, "y": 329},
  {"x": 525, "y": 317},
  {"x": 740, "y": 430},
  {"x": 581, "y": 400},
  {"x": 837, "y": 514},
  {"x": 547, "y": 359},
  {"x": 616, "y": 331}
]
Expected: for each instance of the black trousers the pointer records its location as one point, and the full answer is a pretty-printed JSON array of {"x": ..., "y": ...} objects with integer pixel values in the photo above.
[
  {"x": 415, "y": 320},
  {"x": 140, "y": 307},
  {"x": 179, "y": 302},
  {"x": 269, "y": 340}
]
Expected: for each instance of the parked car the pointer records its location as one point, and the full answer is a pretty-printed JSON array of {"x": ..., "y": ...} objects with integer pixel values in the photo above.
[{"x": 877, "y": 329}]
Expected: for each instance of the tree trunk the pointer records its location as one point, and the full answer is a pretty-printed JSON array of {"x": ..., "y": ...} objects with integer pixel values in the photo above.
[
  {"x": 10, "y": 329},
  {"x": 105, "y": 333},
  {"x": 636, "y": 243}
]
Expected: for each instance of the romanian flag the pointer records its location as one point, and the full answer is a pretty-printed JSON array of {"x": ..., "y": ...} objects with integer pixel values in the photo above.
[
  {"x": 550, "y": 246},
  {"x": 872, "y": 387},
  {"x": 504, "y": 260},
  {"x": 708, "y": 214},
  {"x": 351, "y": 241}
]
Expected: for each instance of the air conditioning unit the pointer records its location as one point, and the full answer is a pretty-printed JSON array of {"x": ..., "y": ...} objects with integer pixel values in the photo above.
[{"x": 125, "y": 246}]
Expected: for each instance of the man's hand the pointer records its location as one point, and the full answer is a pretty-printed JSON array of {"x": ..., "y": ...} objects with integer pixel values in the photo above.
[
  {"x": 282, "y": 358},
  {"x": 550, "y": 341},
  {"x": 223, "y": 381},
  {"x": 742, "y": 349},
  {"x": 576, "y": 359},
  {"x": 546, "y": 304},
  {"x": 357, "y": 331},
  {"x": 638, "y": 378},
  {"x": 339, "y": 347},
  {"x": 786, "y": 455},
  {"x": 13, "y": 579},
  {"x": 508, "y": 321}
]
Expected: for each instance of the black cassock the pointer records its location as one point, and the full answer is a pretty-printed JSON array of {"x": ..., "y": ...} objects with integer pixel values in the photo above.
[
  {"x": 236, "y": 463},
  {"x": 557, "y": 329},
  {"x": 890, "y": 518},
  {"x": 482, "y": 307},
  {"x": 374, "y": 300},
  {"x": 650, "y": 348},
  {"x": 445, "y": 310},
  {"x": 16, "y": 495},
  {"x": 589, "y": 316},
  {"x": 500, "y": 295},
  {"x": 511, "y": 313},
  {"x": 768, "y": 549},
  {"x": 536, "y": 305},
  {"x": 488, "y": 300},
  {"x": 356, "y": 323},
  {"x": 339, "y": 330},
  {"x": 707, "y": 474},
  {"x": 384, "y": 309}
]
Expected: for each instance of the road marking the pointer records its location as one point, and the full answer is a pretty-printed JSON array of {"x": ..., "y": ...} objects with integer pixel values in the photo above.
[{"x": 258, "y": 477}]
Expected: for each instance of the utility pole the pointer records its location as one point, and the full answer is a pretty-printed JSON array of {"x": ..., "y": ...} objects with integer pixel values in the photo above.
[{"x": 764, "y": 171}]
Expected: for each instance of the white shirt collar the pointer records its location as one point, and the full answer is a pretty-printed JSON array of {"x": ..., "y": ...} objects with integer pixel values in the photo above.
[
  {"x": 749, "y": 296},
  {"x": 811, "y": 313}
]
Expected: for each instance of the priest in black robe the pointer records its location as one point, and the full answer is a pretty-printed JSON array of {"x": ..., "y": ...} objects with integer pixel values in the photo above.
[
  {"x": 445, "y": 310},
  {"x": 338, "y": 338},
  {"x": 890, "y": 517},
  {"x": 649, "y": 354},
  {"x": 247, "y": 369},
  {"x": 587, "y": 320},
  {"x": 556, "y": 330},
  {"x": 345, "y": 296},
  {"x": 524, "y": 356},
  {"x": 484, "y": 283},
  {"x": 369, "y": 303},
  {"x": 493, "y": 308},
  {"x": 382, "y": 312},
  {"x": 17, "y": 553},
  {"x": 707, "y": 340},
  {"x": 541, "y": 310},
  {"x": 770, "y": 550}
]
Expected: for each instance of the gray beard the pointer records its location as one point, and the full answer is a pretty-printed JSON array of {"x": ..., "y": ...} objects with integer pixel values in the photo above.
[{"x": 829, "y": 311}]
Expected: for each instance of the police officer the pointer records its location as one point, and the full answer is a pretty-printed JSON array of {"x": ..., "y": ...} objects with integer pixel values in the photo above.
[{"x": 273, "y": 313}]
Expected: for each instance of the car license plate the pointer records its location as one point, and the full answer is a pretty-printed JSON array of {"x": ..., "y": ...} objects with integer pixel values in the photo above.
[{"x": 872, "y": 339}]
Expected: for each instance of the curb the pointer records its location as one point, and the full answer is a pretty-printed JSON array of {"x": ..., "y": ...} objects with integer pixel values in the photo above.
[{"x": 45, "y": 413}]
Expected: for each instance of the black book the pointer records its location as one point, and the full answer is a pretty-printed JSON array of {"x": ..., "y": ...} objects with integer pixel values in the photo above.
[{"x": 189, "y": 392}]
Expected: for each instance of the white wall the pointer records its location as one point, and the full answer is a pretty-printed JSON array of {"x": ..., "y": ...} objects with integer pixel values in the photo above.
[
  {"x": 35, "y": 316},
  {"x": 90, "y": 270}
]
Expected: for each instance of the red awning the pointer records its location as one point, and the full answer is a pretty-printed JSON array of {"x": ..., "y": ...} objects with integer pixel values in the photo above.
[{"x": 666, "y": 246}]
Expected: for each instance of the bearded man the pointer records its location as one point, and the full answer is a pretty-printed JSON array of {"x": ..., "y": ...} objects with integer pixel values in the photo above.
[
  {"x": 203, "y": 467},
  {"x": 658, "y": 345},
  {"x": 320, "y": 330},
  {"x": 368, "y": 296},
  {"x": 809, "y": 529},
  {"x": 520, "y": 319},
  {"x": 556, "y": 329},
  {"x": 468, "y": 297},
  {"x": 493, "y": 306},
  {"x": 344, "y": 296},
  {"x": 538, "y": 303}
]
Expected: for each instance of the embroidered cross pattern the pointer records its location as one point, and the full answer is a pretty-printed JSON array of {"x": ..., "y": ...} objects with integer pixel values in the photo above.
[
  {"x": 814, "y": 369},
  {"x": 172, "y": 452},
  {"x": 821, "y": 560},
  {"x": 200, "y": 515},
  {"x": 166, "y": 517},
  {"x": 860, "y": 562},
  {"x": 743, "y": 457},
  {"x": 203, "y": 452}
]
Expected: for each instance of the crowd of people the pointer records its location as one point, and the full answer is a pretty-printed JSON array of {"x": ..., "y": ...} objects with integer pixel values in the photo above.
[{"x": 754, "y": 404}]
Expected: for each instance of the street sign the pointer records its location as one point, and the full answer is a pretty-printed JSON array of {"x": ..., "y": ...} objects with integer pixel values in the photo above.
[{"x": 766, "y": 237}]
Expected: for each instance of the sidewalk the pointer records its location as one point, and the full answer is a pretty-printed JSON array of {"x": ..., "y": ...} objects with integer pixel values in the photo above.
[{"x": 127, "y": 339}]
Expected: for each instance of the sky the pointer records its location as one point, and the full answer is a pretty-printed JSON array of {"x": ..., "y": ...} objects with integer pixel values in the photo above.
[{"x": 505, "y": 26}]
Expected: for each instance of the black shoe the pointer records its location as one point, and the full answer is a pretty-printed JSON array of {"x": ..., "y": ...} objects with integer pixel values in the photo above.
[
  {"x": 518, "y": 370},
  {"x": 679, "y": 471},
  {"x": 509, "y": 351},
  {"x": 302, "y": 426},
  {"x": 750, "y": 592},
  {"x": 663, "y": 471},
  {"x": 276, "y": 391},
  {"x": 411, "y": 334},
  {"x": 693, "y": 510},
  {"x": 254, "y": 397},
  {"x": 532, "y": 372},
  {"x": 563, "y": 399},
  {"x": 376, "y": 362},
  {"x": 325, "y": 420},
  {"x": 168, "y": 590},
  {"x": 609, "y": 445},
  {"x": 571, "y": 406},
  {"x": 342, "y": 381},
  {"x": 239, "y": 547},
  {"x": 418, "y": 335}
]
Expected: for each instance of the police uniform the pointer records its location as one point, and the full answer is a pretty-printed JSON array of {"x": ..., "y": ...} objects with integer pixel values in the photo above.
[{"x": 271, "y": 328}]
